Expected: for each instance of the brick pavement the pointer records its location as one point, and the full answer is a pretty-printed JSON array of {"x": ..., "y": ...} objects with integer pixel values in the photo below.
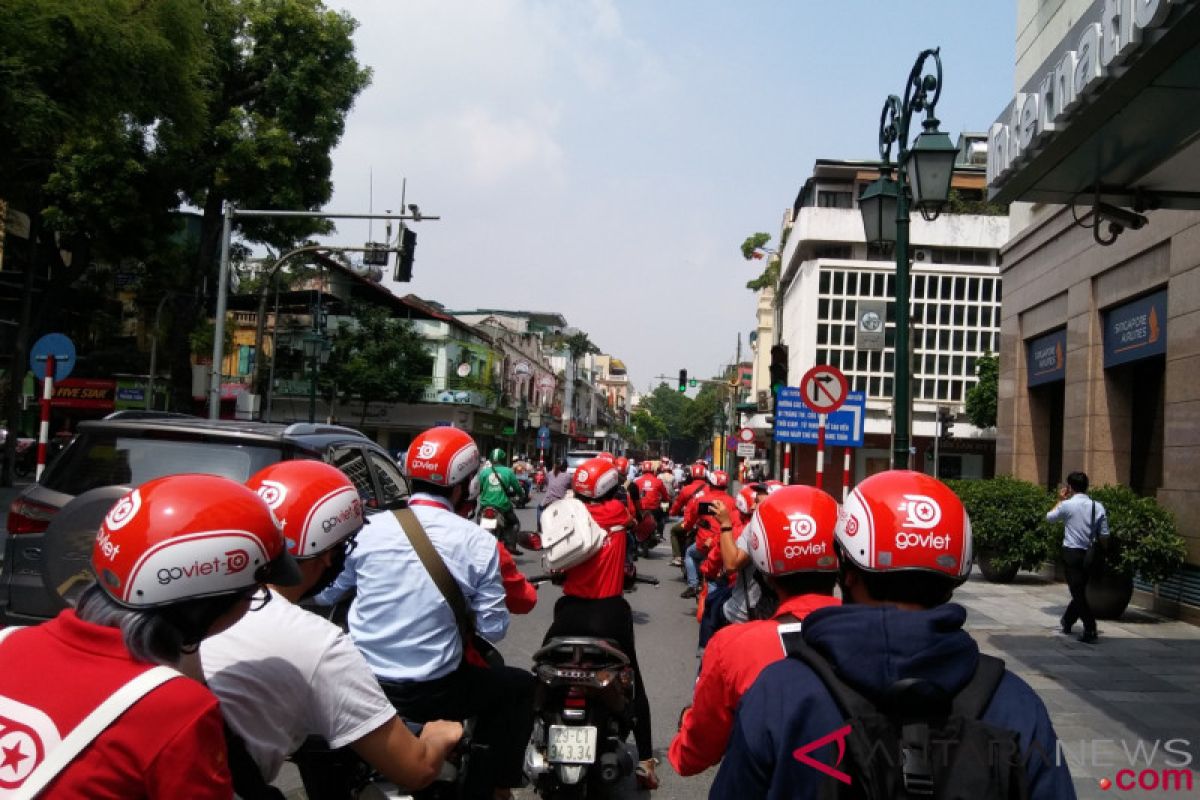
[{"x": 1139, "y": 684}]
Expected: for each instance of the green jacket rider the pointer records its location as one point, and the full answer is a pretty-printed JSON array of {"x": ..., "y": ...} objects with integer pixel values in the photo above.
[{"x": 498, "y": 484}]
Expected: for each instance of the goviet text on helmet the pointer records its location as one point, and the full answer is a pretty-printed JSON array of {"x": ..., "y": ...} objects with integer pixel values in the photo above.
[
  {"x": 184, "y": 537},
  {"x": 905, "y": 520},
  {"x": 316, "y": 504},
  {"x": 443, "y": 456},
  {"x": 793, "y": 530}
]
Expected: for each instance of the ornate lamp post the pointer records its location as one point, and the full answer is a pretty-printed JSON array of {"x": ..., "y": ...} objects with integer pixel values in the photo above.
[{"x": 923, "y": 173}]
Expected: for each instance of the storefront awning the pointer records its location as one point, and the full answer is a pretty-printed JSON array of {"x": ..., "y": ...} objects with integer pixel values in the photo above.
[{"x": 1135, "y": 134}]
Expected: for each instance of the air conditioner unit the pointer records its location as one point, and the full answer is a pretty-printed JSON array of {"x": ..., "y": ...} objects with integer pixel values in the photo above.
[{"x": 922, "y": 254}]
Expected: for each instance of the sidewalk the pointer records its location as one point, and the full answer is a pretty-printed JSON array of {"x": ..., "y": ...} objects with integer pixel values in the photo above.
[{"x": 1139, "y": 687}]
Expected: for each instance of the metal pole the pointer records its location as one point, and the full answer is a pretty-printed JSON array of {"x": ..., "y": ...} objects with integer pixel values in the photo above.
[
  {"x": 820, "y": 450},
  {"x": 901, "y": 410},
  {"x": 44, "y": 427},
  {"x": 937, "y": 435},
  {"x": 218, "y": 352},
  {"x": 274, "y": 351},
  {"x": 154, "y": 354}
]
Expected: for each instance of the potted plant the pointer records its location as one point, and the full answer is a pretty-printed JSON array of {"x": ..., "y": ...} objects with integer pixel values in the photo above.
[
  {"x": 1144, "y": 542},
  {"x": 1008, "y": 524}
]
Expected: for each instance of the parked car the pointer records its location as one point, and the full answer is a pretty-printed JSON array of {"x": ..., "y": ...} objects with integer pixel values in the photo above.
[{"x": 51, "y": 524}]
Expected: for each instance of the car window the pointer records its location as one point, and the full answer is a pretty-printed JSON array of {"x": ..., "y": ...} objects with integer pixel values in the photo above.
[
  {"x": 351, "y": 461},
  {"x": 574, "y": 459},
  {"x": 392, "y": 486},
  {"x": 102, "y": 459}
]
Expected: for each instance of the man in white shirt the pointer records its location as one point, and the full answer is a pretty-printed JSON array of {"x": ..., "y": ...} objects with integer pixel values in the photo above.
[
  {"x": 283, "y": 674},
  {"x": 407, "y": 630},
  {"x": 1085, "y": 522}
]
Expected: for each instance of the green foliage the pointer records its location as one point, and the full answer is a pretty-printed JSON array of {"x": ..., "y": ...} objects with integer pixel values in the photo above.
[
  {"x": 1008, "y": 520},
  {"x": 770, "y": 274},
  {"x": 378, "y": 358},
  {"x": 578, "y": 344},
  {"x": 201, "y": 338},
  {"x": 955, "y": 204},
  {"x": 981, "y": 399},
  {"x": 1144, "y": 537},
  {"x": 645, "y": 429}
]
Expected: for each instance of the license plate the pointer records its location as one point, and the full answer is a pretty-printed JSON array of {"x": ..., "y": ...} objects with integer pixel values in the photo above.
[
  {"x": 488, "y": 523},
  {"x": 571, "y": 744}
]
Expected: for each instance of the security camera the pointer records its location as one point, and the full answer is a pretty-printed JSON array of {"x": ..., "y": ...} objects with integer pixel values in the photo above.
[
  {"x": 415, "y": 210},
  {"x": 1120, "y": 218}
]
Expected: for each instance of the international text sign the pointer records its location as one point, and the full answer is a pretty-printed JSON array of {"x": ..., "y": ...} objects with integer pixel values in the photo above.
[
  {"x": 1136, "y": 330},
  {"x": 1046, "y": 358},
  {"x": 796, "y": 424}
]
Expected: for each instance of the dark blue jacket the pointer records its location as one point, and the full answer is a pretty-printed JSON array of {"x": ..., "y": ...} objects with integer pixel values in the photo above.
[{"x": 871, "y": 647}]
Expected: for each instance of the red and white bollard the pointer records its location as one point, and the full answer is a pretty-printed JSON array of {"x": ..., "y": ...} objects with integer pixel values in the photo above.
[
  {"x": 820, "y": 450},
  {"x": 845, "y": 473},
  {"x": 787, "y": 465},
  {"x": 44, "y": 429}
]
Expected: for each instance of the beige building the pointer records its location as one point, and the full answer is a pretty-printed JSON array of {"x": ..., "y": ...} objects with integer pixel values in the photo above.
[{"x": 1100, "y": 321}]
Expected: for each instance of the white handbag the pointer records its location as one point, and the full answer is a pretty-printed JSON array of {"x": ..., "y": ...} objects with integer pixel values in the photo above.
[{"x": 569, "y": 534}]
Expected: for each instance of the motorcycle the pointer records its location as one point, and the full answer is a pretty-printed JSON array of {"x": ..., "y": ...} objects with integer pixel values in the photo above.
[
  {"x": 583, "y": 708},
  {"x": 539, "y": 479},
  {"x": 26, "y": 461}
]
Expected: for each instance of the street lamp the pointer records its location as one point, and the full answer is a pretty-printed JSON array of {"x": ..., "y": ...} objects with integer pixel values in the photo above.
[{"x": 928, "y": 166}]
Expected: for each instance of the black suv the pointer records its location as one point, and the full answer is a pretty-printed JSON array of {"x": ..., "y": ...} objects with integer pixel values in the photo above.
[{"x": 43, "y": 555}]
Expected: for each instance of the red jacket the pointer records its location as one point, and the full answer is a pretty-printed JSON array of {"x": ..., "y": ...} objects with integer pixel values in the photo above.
[
  {"x": 686, "y": 492},
  {"x": 169, "y": 744},
  {"x": 603, "y": 575},
  {"x": 732, "y": 660},
  {"x": 652, "y": 490},
  {"x": 520, "y": 596}
]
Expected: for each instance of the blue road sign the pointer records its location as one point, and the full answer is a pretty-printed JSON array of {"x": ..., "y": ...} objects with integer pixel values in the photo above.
[
  {"x": 543, "y": 437},
  {"x": 795, "y": 423},
  {"x": 57, "y": 345}
]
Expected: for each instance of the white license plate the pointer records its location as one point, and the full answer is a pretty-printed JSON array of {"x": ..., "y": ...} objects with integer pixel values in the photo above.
[
  {"x": 488, "y": 523},
  {"x": 571, "y": 744}
]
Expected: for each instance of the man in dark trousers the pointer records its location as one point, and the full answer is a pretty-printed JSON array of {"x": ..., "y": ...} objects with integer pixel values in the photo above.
[{"x": 1084, "y": 522}]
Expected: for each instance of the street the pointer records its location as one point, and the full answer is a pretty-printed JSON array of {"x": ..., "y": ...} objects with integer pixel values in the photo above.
[{"x": 1133, "y": 691}]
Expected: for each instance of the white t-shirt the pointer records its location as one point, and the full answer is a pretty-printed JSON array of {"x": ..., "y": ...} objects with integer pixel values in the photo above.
[
  {"x": 737, "y": 607},
  {"x": 283, "y": 674}
]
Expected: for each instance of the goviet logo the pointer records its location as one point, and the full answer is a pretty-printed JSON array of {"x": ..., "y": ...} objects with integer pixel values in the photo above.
[
  {"x": 801, "y": 527},
  {"x": 125, "y": 509},
  {"x": 427, "y": 450},
  {"x": 234, "y": 561},
  {"x": 20, "y": 751},
  {"x": 920, "y": 511},
  {"x": 273, "y": 493}
]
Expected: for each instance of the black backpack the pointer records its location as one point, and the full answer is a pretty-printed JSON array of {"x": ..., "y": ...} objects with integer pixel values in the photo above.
[{"x": 917, "y": 741}]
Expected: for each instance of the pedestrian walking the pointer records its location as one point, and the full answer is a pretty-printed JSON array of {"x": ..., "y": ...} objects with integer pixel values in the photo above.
[{"x": 1085, "y": 537}]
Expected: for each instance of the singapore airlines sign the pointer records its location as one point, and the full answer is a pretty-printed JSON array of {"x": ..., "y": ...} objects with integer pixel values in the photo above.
[{"x": 1105, "y": 37}]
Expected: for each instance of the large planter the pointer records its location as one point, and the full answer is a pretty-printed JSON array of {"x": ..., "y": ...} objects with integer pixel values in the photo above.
[
  {"x": 994, "y": 573},
  {"x": 1109, "y": 593}
]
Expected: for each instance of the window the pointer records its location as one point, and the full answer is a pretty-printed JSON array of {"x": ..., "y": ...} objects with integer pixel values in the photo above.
[
  {"x": 877, "y": 252},
  {"x": 822, "y": 334},
  {"x": 392, "y": 486},
  {"x": 987, "y": 291},
  {"x": 350, "y": 460},
  {"x": 972, "y": 316},
  {"x": 944, "y": 316},
  {"x": 835, "y": 199},
  {"x": 973, "y": 289},
  {"x": 862, "y": 361},
  {"x": 823, "y": 309},
  {"x": 823, "y": 282},
  {"x": 839, "y": 283},
  {"x": 852, "y": 283},
  {"x": 958, "y": 315},
  {"x": 918, "y": 286},
  {"x": 833, "y": 251}
]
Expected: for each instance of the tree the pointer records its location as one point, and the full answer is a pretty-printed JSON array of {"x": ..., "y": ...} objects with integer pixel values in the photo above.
[
  {"x": 770, "y": 274},
  {"x": 981, "y": 399},
  {"x": 646, "y": 429},
  {"x": 378, "y": 357}
]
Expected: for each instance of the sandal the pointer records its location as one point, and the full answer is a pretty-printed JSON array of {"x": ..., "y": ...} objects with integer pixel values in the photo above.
[{"x": 646, "y": 777}]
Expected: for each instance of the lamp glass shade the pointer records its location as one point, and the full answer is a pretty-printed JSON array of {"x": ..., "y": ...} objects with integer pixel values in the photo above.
[
  {"x": 877, "y": 204},
  {"x": 312, "y": 341},
  {"x": 930, "y": 168}
]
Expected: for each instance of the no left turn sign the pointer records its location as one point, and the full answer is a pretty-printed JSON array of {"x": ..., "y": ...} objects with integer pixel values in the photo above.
[{"x": 824, "y": 389}]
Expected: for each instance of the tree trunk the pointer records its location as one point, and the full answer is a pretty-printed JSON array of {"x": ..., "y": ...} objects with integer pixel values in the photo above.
[{"x": 20, "y": 355}]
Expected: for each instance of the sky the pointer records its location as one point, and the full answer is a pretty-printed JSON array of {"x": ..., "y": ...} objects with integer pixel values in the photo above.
[{"x": 605, "y": 159}]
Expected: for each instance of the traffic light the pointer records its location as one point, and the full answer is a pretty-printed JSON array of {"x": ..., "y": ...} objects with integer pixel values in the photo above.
[
  {"x": 683, "y": 382},
  {"x": 408, "y": 247},
  {"x": 779, "y": 368},
  {"x": 945, "y": 423}
]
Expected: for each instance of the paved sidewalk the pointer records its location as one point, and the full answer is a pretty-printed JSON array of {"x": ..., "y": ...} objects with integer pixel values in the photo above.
[{"x": 1139, "y": 687}]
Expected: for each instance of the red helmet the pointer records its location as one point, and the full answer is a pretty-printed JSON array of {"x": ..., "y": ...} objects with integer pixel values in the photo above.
[
  {"x": 622, "y": 464},
  {"x": 747, "y": 497},
  {"x": 773, "y": 486},
  {"x": 718, "y": 478},
  {"x": 443, "y": 456},
  {"x": 316, "y": 504},
  {"x": 595, "y": 477},
  {"x": 903, "y": 520},
  {"x": 699, "y": 470},
  {"x": 188, "y": 536},
  {"x": 607, "y": 456},
  {"x": 793, "y": 531},
  {"x": 647, "y": 466}
]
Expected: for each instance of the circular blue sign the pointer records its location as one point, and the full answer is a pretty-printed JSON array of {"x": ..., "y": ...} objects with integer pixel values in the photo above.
[{"x": 57, "y": 345}]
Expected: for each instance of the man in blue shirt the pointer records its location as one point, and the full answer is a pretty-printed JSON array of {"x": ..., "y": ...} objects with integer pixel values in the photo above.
[
  {"x": 406, "y": 629},
  {"x": 1084, "y": 522}
]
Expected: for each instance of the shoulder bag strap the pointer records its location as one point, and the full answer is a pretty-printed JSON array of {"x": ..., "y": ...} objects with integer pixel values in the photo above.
[
  {"x": 973, "y": 699},
  {"x": 1093, "y": 536},
  {"x": 92, "y": 726},
  {"x": 436, "y": 568}
]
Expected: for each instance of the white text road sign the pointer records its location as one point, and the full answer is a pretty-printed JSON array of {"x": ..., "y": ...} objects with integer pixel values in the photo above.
[
  {"x": 746, "y": 449},
  {"x": 746, "y": 435},
  {"x": 796, "y": 424},
  {"x": 824, "y": 389}
]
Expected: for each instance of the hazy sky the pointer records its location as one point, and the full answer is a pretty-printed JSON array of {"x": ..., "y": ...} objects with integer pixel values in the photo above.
[{"x": 605, "y": 158}]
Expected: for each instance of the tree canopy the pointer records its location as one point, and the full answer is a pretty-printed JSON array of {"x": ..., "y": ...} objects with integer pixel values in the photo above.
[
  {"x": 770, "y": 274},
  {"x": 687, "y": 422},
  {"x": 981, "y": 399}
]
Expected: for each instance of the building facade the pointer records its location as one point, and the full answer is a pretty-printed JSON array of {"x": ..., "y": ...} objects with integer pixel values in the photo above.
[
  {"x": 833, "y": 284},
  {"x": 1100, "y": 321}
]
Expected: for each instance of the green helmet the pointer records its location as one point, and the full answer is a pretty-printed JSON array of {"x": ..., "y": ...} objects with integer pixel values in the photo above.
[{"x": 497, "y": 456}]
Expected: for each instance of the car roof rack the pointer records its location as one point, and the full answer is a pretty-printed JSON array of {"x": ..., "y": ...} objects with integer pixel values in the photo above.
[{"x": 318, "y": 428}]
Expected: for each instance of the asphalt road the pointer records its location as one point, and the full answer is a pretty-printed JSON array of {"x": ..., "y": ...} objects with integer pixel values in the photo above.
[{"x": 665, "y": 628}]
